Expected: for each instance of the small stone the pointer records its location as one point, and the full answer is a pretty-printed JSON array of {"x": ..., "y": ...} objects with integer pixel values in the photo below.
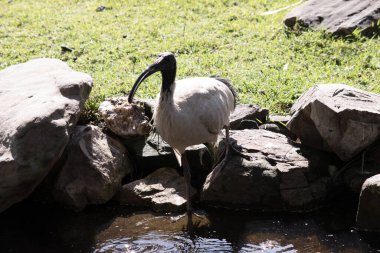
[
  {"x": 248, "y": 124},
  {"x": 283, "y": 119},
  {"x": 101, "y": 8},
  {"x": 271, "y": 127},
  {"x": 65, "y": 49},
  {"x": 124, "y": 119},
  {"x": 247, "y": 112},
  {"x": 278, "y": 128}
]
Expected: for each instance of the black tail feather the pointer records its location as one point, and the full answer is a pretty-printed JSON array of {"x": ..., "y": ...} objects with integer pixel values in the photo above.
[{"x": 229, "y": 85}]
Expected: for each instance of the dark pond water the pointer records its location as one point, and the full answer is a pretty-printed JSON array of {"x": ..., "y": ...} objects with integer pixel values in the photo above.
[{"x": 35, "y": 228}]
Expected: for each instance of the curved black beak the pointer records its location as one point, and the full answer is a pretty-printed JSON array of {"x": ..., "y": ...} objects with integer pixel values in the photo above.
[{"x": 149, "y": 71}]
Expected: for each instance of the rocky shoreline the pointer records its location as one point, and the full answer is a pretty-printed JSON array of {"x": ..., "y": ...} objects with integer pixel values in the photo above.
[{"x": 330, "y": 141}]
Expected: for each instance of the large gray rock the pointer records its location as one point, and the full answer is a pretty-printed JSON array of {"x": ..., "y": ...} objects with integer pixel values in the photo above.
[
  {"x": 337, "y": 118},
  {"x": 279, "y": 176},
  {"x": 368, "y": 216},
  {"x": 124, "y": 119},
  {"x": 40, "y": 103},
  {"x": 163, "y": 191},
  {"x": 340, "y": 17},
  {"x": 93, "y": 170}
]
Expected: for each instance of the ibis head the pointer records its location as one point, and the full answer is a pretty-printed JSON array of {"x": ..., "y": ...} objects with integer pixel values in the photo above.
[{"x": 166, "y": 64}]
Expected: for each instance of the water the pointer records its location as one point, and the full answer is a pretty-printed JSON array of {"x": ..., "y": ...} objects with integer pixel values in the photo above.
[
  {"x": 34, "y": 228},
  {"x": 166, "y": 242}
]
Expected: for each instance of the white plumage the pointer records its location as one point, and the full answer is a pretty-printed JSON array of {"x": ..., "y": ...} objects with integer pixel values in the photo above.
[
  {"x": 189, "y": 111},
  {"x": 193, "y": 112}
]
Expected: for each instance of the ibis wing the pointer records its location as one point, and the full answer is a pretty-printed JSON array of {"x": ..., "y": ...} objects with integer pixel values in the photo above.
[{"x": 208, "y": 100}]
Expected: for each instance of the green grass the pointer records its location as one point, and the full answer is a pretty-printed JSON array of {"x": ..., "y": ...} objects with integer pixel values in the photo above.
[{"x": 268, "y": 64}]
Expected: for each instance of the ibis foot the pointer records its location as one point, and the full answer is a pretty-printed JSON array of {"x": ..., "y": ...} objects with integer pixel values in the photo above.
[
  {"x": 231, "y": 148},
  {"x": 177, "y": 217},
  {"x": 190, "y": 226},
  {"x": 199, "y": 214},
  {"x": 237, "y": 150}
]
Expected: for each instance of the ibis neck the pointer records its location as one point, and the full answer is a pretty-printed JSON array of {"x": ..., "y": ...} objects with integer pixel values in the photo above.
[{"x": 168, "y": 78}]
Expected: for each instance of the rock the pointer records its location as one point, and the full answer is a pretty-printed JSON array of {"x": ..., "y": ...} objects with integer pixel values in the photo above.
[
  {"x": 358, "y": 171},
  {"x": 124, "y": 119},
  {"x": 271, "y": 127},
  {"x": 163, "y": 190},
  {"x": 101, "y": 8},
  {"x": 40, "y": 104},
  {"x": 368, "y": 216},
  {"x": 279, "y": 177},
  {"x": 153, "y": 153},
  {"x": 374, "y": 153},
  {"x": 94, "y": 168},
  {"x": 65, "y": 49},
  {"x": 278, "y": 129},
  {"x": 281, "y": 119},
  {"x": 278, "y": 125},
  {"x": 247, "y": 112},
  {"x": 248, "y": 124},
  {"x": 341, "y": 17},
  {"x": 337, "y": 118},
  {"x": 149, "y": 105},
  {"x": 150, "y": 154}
]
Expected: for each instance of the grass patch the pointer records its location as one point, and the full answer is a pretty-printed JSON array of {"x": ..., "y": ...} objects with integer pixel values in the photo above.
[{"x": 268, "y": 64}]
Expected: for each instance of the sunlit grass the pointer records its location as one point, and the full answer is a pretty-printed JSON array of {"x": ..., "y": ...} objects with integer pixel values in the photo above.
[{"x": 268, "y": 64}]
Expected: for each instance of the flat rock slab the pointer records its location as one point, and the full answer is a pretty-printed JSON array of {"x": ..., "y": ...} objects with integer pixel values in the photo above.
[
  {"x": 276, "y": 178},
  {"x": 93, "y": 170},
  {"x": 340, "y": 17},
  {"x": 163, "y": 191},
  {"x": 40, "y": 103},
  {"x": 337, "y": 118},
  {"x": 368, "y": 216}
]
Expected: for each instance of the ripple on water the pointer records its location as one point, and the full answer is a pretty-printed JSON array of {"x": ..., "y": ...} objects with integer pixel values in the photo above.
[
  {"x": 268, "y": 246},
  {"x": 150, "y": 242},
  {"x": 160, "y": 242}
]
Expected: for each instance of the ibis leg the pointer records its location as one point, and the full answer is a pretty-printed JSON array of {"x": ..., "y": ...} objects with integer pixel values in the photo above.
[
  {"x": 226, "y": 154},
  {"x": 187, "y": 175},
  {"x": 233, "y": 148}
]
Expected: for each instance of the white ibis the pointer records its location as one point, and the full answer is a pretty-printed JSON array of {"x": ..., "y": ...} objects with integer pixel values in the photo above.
[{"x": 189, "y": 111}]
